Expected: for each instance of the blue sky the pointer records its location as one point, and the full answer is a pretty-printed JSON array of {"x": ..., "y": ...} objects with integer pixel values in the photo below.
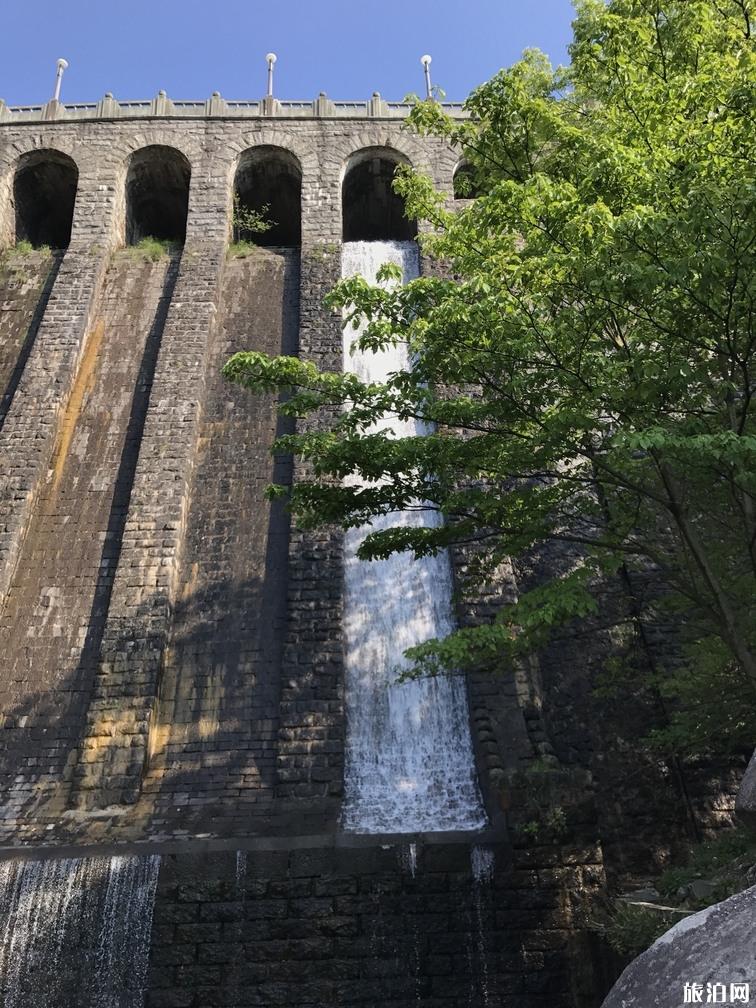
[{"x": 348, "y": 48}]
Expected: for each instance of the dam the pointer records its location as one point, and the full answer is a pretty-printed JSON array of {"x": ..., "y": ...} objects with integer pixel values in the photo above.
[{"x": 212, "y": 791}]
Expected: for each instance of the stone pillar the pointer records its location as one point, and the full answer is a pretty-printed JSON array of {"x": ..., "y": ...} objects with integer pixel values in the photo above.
[
  {"x": 377, "y": 107},
  {"x": 30, "y": 430},
  {"x": 161, "y": 105},
  {"x": 311, "y": 733},
  {"x": 270, "y": 106},
  {"x": 323, "y": 107},
  {"x": 115, "y": 746},
  {"x": 53, "y": 109},
  {"x": 108, "y": 107},
  {"x": 215, "y": 105}
]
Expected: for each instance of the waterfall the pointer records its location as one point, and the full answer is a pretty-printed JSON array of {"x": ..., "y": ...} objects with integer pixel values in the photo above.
[
  {"x": 408, "y": 859},
  {"x": 75, "y": 932},
  {"x": 483, "y": 866},
  {"x": 241, "y": 874},
  {"x": 409, "y": 759}
]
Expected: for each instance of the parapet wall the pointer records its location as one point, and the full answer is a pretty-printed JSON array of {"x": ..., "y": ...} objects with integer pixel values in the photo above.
[{"x": 214, "y": 107}]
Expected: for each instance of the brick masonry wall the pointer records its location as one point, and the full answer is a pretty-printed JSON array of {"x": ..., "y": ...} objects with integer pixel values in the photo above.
[
  {"x": 52, "y": 616},
  {"x": 311, "y": 733},
  {"x": 115, "y": 745},
  {"x": 434, "y": 924},
  {"x": 648, "y": 806},
  {"x": 114, "y": 751},
  {"x": 369, "y": 926},
  {"x": 31, "y": 425},
  {"x": 25, "y": 285},
  {"x": 214, "y": 736}
]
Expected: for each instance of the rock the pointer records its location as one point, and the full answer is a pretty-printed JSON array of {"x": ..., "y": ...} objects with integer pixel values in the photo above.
[
  {"x": 646, "y": 895},
  {"x": 745, "y": 802},
  {"x": 713, "y": 946},
  {"x": 701, "y": 889}
]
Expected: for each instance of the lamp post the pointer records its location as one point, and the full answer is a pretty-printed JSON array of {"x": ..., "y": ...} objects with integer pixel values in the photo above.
[
  {"x": 426, "y": 61},
  {"x": 61, "y": 66},
  {"x": 271, "y": 59}
]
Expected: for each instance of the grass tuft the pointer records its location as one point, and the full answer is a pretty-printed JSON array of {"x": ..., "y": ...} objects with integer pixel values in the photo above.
[
  {"x": 242, "y": 249},
  {"x": 152, "y": 249}
]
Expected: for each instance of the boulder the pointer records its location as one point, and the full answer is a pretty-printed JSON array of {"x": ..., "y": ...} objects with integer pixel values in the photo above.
[
  {"x": 745, "y": 802},
  {"x": 715, "y": 946},
  {"x": 702, "y": 889}
]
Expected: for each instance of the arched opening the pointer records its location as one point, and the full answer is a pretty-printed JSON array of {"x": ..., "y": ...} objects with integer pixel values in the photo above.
[
  {"x": 371, "y": 210},
  {"x": 157, "y": 195},
  {"x": 44, "y": 193},
  {"x": 464, "y": 182},
  {"x": 268, "y": 198}
]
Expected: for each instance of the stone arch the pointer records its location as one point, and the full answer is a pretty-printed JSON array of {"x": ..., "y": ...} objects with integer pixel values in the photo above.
[
  {"x": 157, "y": 194},
  {"x": 371, "y": 210},
  {"x": 44, "y": 189},
  {"x": 30, "y": 145},
  {"x": 269, "y": 176},
  {"x": 303, "y": 149}
]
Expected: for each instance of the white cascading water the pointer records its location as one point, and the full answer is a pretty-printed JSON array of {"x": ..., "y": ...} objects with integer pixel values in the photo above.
[
  {"x": 409, "y": 759},
  {"x": 76, "y": 931},
  {"x": 483, "y": 866}
]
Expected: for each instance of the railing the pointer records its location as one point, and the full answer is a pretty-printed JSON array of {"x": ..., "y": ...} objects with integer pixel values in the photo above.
[{"x": 162, "y": 106}]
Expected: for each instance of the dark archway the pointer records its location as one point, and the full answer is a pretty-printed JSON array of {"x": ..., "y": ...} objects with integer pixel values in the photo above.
[
  {"x": 371, "y": 210},
  {"x": 268, "y": 183},
  {"x": 44, "y": 193},
  {"x": 157, "y": 195},
  {"x": 464, "y": 182}
]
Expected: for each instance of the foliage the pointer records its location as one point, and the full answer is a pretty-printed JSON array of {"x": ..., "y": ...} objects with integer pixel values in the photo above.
[
  {"x": 632, "y": 929},
  {"x": 25, "y": 248},
  {"x": 726, "y": 864},
  {"x": 322, "y": 251},
  {"x": 152, "y": 249},
  {"x": 586, "y": 369},
  {"x": 547, "y": 793},
  {"x": 242, "y": 249},
  {"x": 247, "y": 222},
  {"x": 723, "y": 858}
]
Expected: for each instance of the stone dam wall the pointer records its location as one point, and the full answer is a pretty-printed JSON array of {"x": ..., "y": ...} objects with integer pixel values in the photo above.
[{"x": 172, "y": 650}]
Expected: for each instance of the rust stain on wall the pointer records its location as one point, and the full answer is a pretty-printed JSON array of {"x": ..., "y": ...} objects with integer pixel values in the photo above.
[{"x": 83, "y": 384}]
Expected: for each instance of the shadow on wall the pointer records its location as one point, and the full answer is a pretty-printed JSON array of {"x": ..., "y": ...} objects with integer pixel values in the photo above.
[
  {"x": 15, "y": 352},
  {"x": 40, "y": 740},
  {"x": 227, "y": 626},
  {"x": 215, "y": 730},
  {"x": 650, "y": 802},
  {"x": 221, "y": 757}
]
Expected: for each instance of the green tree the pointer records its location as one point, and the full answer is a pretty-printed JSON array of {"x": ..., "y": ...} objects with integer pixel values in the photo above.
[
  {"x": 589, "y": 368},
  {"x": 247, "y": 223}
]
